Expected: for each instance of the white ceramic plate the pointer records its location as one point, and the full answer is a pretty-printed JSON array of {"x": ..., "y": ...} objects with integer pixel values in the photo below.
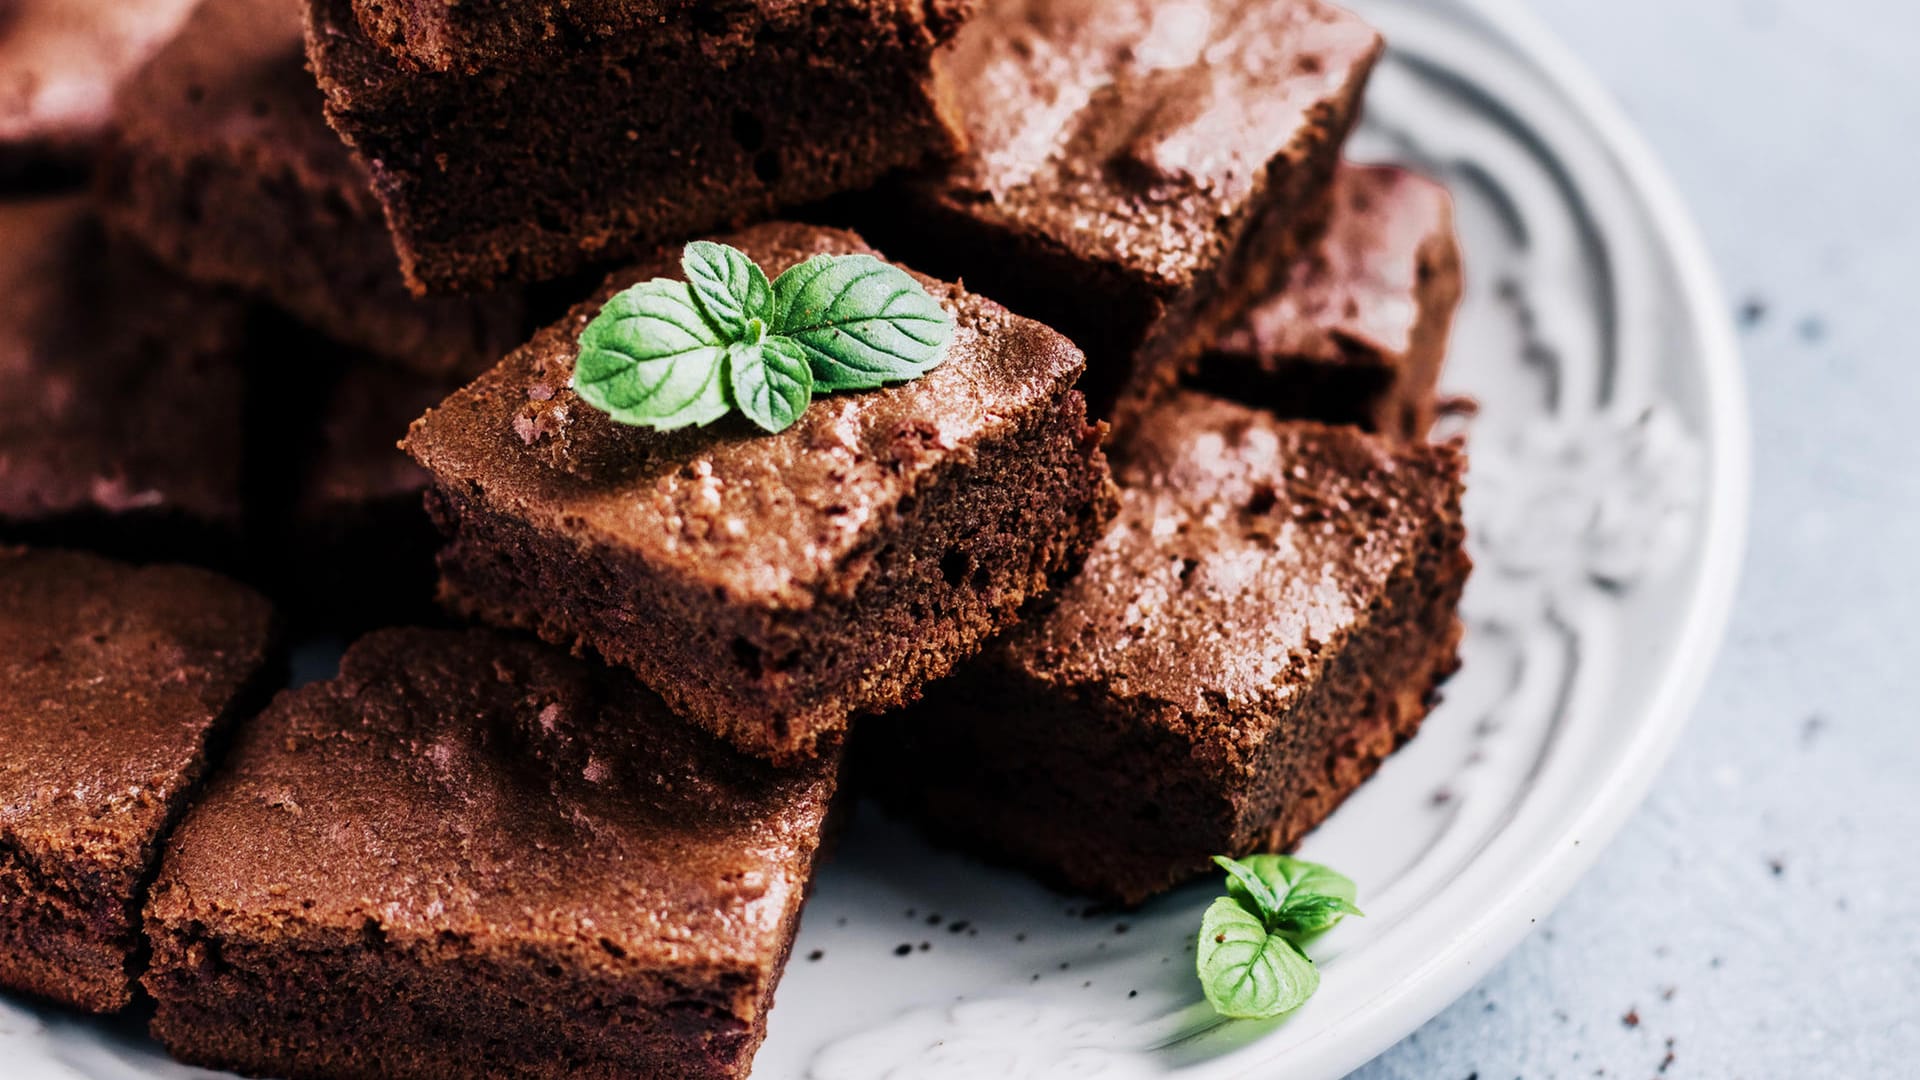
[{"x": 1607, "y": 504}]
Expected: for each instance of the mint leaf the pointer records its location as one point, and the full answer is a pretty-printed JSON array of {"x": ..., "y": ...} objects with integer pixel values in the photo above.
[
  {"x": 771, "y": 382},
  {"x": 1246, "y": 972},
  {"x": 650, "y": 359},
  {"x": 668, "y": 354},
  {"x": 1311, "y": 915},
  {"x": 1307, "y": 898},
  {"x": 1249, "y": 957},
  {"x": 861, "y": 322},
  {"x": 1259, "y": 897},
  {"x": 730, "y": 288}
]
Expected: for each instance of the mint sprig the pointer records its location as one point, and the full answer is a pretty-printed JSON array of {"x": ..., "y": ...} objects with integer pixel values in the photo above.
[
  {"x": 667, "y": 354},
  {"x": 1249, "y": 959}
]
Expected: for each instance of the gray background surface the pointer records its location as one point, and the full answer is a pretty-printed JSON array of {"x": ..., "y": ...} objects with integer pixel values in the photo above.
[{"x": 1760, "y": 916}]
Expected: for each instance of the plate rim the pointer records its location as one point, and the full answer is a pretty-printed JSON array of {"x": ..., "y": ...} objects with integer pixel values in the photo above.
[{"x": 1572, "y": 848}]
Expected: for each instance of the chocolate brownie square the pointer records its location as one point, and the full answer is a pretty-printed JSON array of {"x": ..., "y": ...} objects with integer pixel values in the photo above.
[
  {"x": 688, "y": 117},
  {"x": 1138, "y": 172},
  {"x": 60, "y": 61},
  {"x": 474, "y": 855},
  {"x": 1357, "y": 333},
  {"x": 123, "y": 395},
  {"x": 769, "y": 586},
  {"x": 1265, "y": 621},
  {"x": 113, "y": 680},
  {"x": 221, "y": 163}
]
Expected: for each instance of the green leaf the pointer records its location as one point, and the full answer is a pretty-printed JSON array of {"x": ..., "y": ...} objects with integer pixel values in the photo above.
[
  {"x": 1260, "y": 899},
  {"x": 650, "y": 359},
  {"x": 861, "y": 322},
  {"x": 1308, "y": 898},
  {"x": 1311, "y": 915},
  {"x": 1246, "y": 972},
  {"x": 730, "y": 288},
  {"x": 771, "y": 382}
]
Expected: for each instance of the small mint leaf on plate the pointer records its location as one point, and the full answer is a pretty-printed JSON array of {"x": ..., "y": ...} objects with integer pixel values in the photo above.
[
  {"x": 730, "y": 288},
  {"x": 1247, "y": 972},
  {"x": 1249, "y": 957},
  {"x": 861, "y": 322},
  {"x": 772, "y": 383},
  {"x": 650, "y": 359}
]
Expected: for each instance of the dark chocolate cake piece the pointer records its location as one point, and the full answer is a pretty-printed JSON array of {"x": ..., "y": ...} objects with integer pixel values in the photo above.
[
  {"x": 474, "y": 855},
  {"x": 1357, "y": 333},
  {"x": 113, "y": 680},
  {"x": 122, "y": 395},
  {"x": 684, "y": 119},
  {"x": 770, "y": 586},
  {"x": 1264, "y": 622},
  {"x": 1138, "y": 171},
  {"x": 222, "y": 165}
]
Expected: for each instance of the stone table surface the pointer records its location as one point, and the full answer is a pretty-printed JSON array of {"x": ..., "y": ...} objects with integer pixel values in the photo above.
[{"x": 1760, "y": 916}]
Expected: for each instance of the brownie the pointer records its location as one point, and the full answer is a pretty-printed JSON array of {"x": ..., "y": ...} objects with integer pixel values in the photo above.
[
  {"x": 221, "y": 163},
  {"x": 1358, "y": 332},
  {"x": 691, "y": 117},
  {"x": 123, "y": 395},
  {"x": 113, "y": 680},
  {"x": 449, "y": 35},
  {"x": 1265, "y": 621},
  {"x": 1139, "y": 171},
  {"x": 770, "y": 586},
  {"x": 60, "y": 61},
  {"x": 473, "y": 855}
]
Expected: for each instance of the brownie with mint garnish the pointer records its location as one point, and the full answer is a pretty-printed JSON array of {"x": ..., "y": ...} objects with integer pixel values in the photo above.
[
  {"x": 122, "y": 395},
  {"x": 473, "y": 855},
  {"x": 1138, "y": 172},
  {"x": 769, "y": 586},
  {"x": 220, "y": 162},
  {"x": 609, "y": 127},
  {"x": 1264, "y": 622},
  {"x": 1357, "y": 333},
  {"x": 113, "y": 681}
]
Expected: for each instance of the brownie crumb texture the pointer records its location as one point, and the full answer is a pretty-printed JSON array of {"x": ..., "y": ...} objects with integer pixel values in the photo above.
[
  {"x": 1356, "y": 333},
  {"x": 596, "y": 151},
  {"x": 122, "y": 418},
  {"x": 113, "y": 681},
  {"x": 468, "y": 855},
  {"x": 1264, "y": 622},
  {"x": 221, "y": 164}
]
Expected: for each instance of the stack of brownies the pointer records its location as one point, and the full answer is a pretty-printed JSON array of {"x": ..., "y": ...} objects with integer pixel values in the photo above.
[{"x": 564, "y": 821}]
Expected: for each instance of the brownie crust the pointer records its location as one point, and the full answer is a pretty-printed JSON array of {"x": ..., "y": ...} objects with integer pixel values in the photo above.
[
  {"x": 549, "y": 166},
  {"x": 470, "y": 854},
  {"x": 113, "y": 681},
  {"x": 1134, "y": 178},
  {"x": 124, "y": 395},
  {"x": 221, "y": 163},
  {"x": 447, "y": 35},
  {"x": 1265, "y": 621},
  {"x": 1358, "y": 332},
  {"x": 771, "y": 586}
]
